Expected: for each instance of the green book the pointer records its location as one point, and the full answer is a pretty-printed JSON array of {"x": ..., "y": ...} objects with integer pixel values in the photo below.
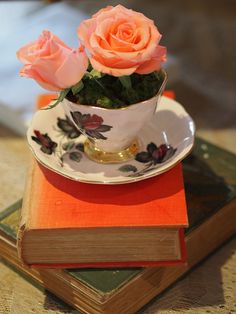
[{"x": 210, "y": 183}]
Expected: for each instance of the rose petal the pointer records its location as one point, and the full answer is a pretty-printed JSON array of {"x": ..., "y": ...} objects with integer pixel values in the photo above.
[
  {"x": 27, "y": 71},
  {"x": 103, "y": 29},
  {"x": 85, "y": 30},
  {"x": 72, "y": 69},
  {"x": 154, "y": 64},
  {"x": 108, "y": 8}
]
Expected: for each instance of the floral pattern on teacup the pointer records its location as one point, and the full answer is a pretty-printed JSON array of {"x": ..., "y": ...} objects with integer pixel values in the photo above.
[
  {"x": 91, "y": 125},
  {"x": 68, "y": 127}
]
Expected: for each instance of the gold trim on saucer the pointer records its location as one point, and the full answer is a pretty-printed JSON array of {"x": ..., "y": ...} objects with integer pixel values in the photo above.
[{"x": 100, "y": 156}]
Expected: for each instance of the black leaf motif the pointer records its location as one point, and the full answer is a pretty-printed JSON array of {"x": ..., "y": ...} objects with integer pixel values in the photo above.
[
  {"x": 34, "y": 138},
  {"x": 46, "y": 150},
  {"x": 75, "y": 156},
  {"x": 80, "y": 147},
  {"x": 77, "y": 117},
  {"x": 64, "y": 125},
  {"x": 68, "y": 128},
  {"x": 97, "y": 135},
  {"x": 103, "y": 128},
  {"x": 143, "y": 157},
  {"x": 151, "y": 148},
  {"x": 128, "y": 168}
]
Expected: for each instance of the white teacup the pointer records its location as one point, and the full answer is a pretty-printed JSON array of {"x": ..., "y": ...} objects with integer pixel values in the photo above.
[{"x": 112, "y": 133}]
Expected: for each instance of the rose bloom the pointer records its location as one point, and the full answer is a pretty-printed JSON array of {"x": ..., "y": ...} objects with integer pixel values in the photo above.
[
  {"x": 53, "y": 64},
  {"x": 121, "y": 41}
]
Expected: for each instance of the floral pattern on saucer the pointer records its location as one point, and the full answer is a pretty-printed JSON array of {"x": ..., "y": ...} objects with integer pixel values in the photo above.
[
  {"x": 151, "y": 157},
  {"x": 154, "y": 155},
  {"x": 47, "y": 145},
  {"x": 59, "y": 146}
]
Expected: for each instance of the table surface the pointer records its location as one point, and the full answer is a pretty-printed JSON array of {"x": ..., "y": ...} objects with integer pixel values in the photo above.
[{"x": 197, "y": 40}]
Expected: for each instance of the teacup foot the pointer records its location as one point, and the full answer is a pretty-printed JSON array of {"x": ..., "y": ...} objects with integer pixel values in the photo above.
[{"x": 100, "y": 156}]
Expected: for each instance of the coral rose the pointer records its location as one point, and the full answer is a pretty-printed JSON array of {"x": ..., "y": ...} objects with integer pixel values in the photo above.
[
  {"x": 53, "y": 64},
  {"x": 121, "y": 41}
]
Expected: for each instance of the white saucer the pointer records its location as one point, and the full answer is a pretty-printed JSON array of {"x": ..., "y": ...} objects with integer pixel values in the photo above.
[{"x": 164, "y": 142}]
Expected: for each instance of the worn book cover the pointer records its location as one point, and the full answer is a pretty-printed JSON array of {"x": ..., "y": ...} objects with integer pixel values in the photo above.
[{"x": 210, "y": 183}]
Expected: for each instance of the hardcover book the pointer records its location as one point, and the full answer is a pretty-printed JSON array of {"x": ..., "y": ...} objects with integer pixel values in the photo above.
[
  {"x": 115, "y": 225},
  {"x": 72, "y": 224},
  {"x": 210, "y": 183}
]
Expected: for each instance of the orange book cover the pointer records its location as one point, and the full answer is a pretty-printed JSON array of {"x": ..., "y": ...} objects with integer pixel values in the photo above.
[{"x": 58, "y": 202}]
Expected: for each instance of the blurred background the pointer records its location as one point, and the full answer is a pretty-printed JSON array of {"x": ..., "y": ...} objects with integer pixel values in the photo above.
[{"x": 199, "y": 36}]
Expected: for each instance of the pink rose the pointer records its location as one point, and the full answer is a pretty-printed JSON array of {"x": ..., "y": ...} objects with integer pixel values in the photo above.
[
  {"x": 53, "y": 64},
  {"x": 122, "y": 41}
]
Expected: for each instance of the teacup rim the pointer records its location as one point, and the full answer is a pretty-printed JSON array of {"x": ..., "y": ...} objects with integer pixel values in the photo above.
[{"x": 130, "y": 106}]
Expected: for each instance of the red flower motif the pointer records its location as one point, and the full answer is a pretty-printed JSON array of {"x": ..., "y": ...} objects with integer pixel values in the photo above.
[
  {"x": 90, "y": 124},
  {"x": 156, "y": 154},
  {"x": 47, "y": 145}
]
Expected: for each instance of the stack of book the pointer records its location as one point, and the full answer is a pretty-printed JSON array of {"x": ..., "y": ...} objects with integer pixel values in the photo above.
[
  {"x": 67, "y": 224},
  {"x": 210, "y": 185},
  {"x": 71, "y": 224}
]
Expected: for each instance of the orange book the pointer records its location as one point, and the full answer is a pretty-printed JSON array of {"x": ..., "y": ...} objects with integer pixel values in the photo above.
[{"x": 71, "y": 224}]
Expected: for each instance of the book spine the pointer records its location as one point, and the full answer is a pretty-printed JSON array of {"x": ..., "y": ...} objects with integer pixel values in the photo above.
[{"x": 25, "y": 209}]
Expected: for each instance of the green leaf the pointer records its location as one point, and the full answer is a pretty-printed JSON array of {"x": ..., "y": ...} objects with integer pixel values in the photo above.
[
  {"x": 94, "y": 74},
  {"x": 157, "y": 75},
  {"x": 128, "y": 168},
  {"x": 75, "y": 156},
  {"x": 77, "y": 87},
  {"x": 104, "y": 102},
  {"x": 59, "y": 99},
  {"x": 97, "y": 74},
  {"x": 126, "y": 81}
]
